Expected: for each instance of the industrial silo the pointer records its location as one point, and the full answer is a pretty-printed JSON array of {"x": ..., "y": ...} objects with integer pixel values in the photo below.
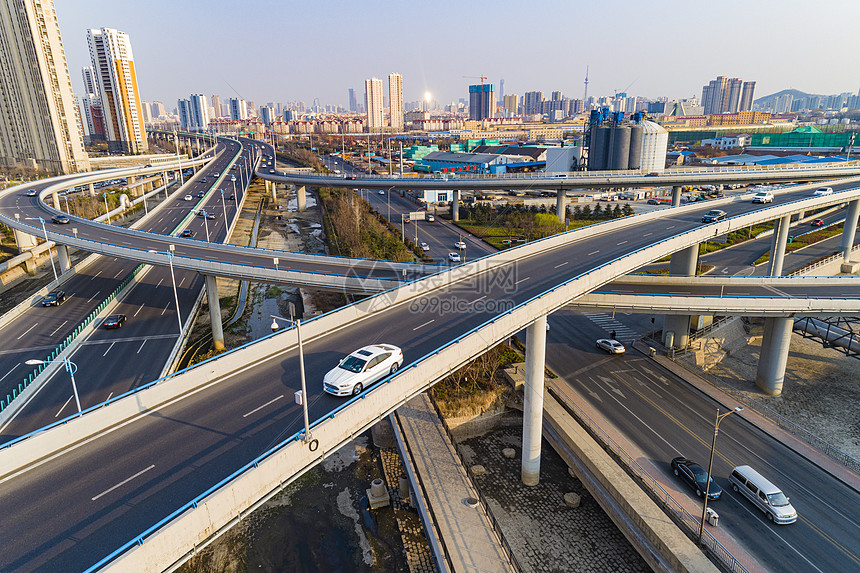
[
  {"x": 634, "y": 158},
  {"x": 598, "y": 152},
  {"x": 620, "y": 148},
  {"x": 655, "y": 141}
]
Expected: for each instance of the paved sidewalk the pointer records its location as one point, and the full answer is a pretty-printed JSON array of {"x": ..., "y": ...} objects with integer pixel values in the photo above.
[{"x": 467, "y": 533}]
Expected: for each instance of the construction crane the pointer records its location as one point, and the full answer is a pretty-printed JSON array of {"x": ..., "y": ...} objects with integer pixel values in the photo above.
[{"x": 482, "y": 78}]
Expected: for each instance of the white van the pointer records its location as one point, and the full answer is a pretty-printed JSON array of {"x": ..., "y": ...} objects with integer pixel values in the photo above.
[{"x": 766, "y": 496}]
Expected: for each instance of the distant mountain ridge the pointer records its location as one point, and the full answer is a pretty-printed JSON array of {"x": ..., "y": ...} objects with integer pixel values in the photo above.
[{"x": 796, "y": 94}]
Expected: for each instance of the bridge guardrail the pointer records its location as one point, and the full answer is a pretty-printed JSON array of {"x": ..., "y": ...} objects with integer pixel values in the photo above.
[{"x": 688, "y": 522}]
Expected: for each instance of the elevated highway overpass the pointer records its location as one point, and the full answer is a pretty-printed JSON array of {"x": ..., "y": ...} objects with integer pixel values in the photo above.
[{"x": 198, "y": 415}]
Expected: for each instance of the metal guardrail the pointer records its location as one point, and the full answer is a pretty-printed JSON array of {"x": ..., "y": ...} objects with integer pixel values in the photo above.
[
  {"x": 688, "y": 523},
  {"x": 486, "y": 506}
]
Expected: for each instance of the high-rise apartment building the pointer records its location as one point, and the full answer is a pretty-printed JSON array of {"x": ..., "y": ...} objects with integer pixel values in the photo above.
[
  {"x": 511, "y": 104},
  {"x": 727, "y": 95},
  {"x": 90, "y": 86},
  {"x": 41, "y": 125},
  {"x": 216, "y": 105},
  {"x": 91, "y": 107},
  {"x": 482, "y": 101},
  {"x": 199, "y": 112},
  {"x": 353, "y": 103},
  {"x": 158, "y": 109},
  {"x": 532, "y": 103},
  {"x": 113, "y": 66},
  {"x": 238, "y": 108},
  {"x": 373, "y": 105},
  {"x": 395, "y": 101},
  {"x": 267, "y": 114},
  {"x": 147, "y": 112}
]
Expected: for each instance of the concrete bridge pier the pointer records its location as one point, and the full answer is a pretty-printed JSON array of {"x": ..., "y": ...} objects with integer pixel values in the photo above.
[
  {"x": 91, "y": 190},
  {"x": 268, "y": 186},
  {"x": 777, "y": 246},
  {"x": 455, "y": 205},
  {"x": 848, "y": 232},
  {"x": 274, "y": 191},
  {"x": 301, "y": 199},
  {"x": 682, "y": 263},
  {"x": 25, "y": 241},
  {"x": 63, "y": 256},
  {"x": 55, "y": 199},
  {"x": 676, "y": 196},
  {"x": 775, "y": 343},
  {"x": 129, "y": 181},
  {"x": 214, "y": 312},
  {"x": 533, "y": 400},
  {"x": 561, "y": 205}
]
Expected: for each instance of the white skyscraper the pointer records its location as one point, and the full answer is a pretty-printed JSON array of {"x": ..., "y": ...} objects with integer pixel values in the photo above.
[
  {"x": 373, "y": 105},
  {"x": 90, "y": 86},
  {"x": 395, "y": 101},
  {"x": 39, "y": 120},
  {"x": 199, "y": 112},
  {"x": 113, "y": 66},
  {"x": 238, "y": 108}
]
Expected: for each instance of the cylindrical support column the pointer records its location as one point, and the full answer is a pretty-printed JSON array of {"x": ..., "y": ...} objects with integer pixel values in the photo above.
[
  {"x": 849, "y": 230},
  {"x": 130, "y": 181},
  {"x": 63, "y": 256},
  {"x": 676, "y": 195},
  {"x": 301, "y": 198},
  {"x": 774, "y": 355},
  {"x": 455, "y": 205},
  {"x": 214, "y": 312},
  {"x": 777, "y": 246},
  {"x": 55, "y": 198},
  {"x": 533, "y": 400},
  {"x": 682, "y": 263},
  {"x": 92, "y": 190},
  {"x": 274, "y": 191},
  {"x": 561, "y": 205}
]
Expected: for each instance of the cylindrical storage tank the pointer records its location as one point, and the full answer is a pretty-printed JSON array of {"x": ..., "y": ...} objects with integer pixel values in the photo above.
[
  {"x": 620, "y": 148},
  {"x": 595, "y": 149},
  {"x": 634, "y": 158}
]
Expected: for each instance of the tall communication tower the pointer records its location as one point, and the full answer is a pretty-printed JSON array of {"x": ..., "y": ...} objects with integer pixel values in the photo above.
[{"x": 585, "y": 95}]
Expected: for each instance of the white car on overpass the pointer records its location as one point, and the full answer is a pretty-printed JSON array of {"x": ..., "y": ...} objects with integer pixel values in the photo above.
[
  {"x": 763, "y": 197},
  {"x": 362, "y": 368}
]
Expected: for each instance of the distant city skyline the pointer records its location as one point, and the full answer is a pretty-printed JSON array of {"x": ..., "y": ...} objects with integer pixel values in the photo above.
[{"x": 339, "y": 45}]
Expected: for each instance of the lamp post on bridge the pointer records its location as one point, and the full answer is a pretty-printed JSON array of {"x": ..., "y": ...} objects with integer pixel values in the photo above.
[
  {"x": 303, "y": 398},
  {"x": 71, "y": 368},
  {"x": 711, "y": 465},
  {"x": 50, "y": 255}
]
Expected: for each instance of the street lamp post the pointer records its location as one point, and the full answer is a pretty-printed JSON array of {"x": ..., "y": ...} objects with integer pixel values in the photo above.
[
  {"x": 107, "y": 211},
  {"x": 50, "y": 255},
  {"x": 304, "y": 396},
  {"x": 710, "y": 466},
  {"x": 224, "y": 204},
  {"x": 71, "y": 368},
  {"x": 170, "y": 255},
  {"x": 206, "y": 224},
  {"x": 178, "y": 159}
]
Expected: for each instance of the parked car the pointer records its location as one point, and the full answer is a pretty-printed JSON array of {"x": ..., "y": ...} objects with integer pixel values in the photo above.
[
  {"x": 713, "y": 216},
  {"x": 696, "y": 477},
  {"x": 818, "y": 223},
  {"x": 362, "y": 368},
  {"x": 454, "y": 257},
  {"x": 610, "y": 345},
  {"x": 187, "y": 233},
  {"x": 114, "y": 321},
  {"x": 54, "y": 298},
  {"x": 60, "y": 220},
  {"x": 821, "y": 191},
  {"x": 763, "y": 197}
]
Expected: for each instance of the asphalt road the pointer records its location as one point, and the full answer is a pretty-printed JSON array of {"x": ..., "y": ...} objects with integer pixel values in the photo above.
[
  {"x": 115, "y": 361},
  {"x": 68, "y": 512}
]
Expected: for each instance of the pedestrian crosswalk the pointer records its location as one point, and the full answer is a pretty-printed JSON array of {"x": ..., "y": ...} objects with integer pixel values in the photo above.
[{"x": 609, "y": 324}]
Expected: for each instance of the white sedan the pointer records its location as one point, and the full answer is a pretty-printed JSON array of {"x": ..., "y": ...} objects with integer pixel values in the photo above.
[
  {"x": 610, "y": 345},
  {"x": 381, "y": 192},
  {"x": 362, "y": 368},
  {"x": 460, "y": 245},
  {"x": 454, "y": 257},
  {"x": 189, "y": 198},
  {"x": 425, "y": 247}
]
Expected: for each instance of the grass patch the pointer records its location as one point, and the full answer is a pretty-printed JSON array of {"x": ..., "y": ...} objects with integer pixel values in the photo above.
[{"x": 476, "y": 387}]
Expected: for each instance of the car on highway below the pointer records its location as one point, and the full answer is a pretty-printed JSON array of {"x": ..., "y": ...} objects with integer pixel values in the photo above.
[
  {"x": 60, "y": 220},
  {"x": 189, "y": 198},
  {"x": 32, "y": 193},
  {"x": 187, "y": 233},
  {"x": 210, "y": 216},
  {"x": 203, "y": 180},
  {"x": 362, "y": 368},
  {"x": 460, "y": 245},
  {"x": 430, "y": 218},
  {"x": 271, "y": 171},
  {"x": 610, "y": 345},
  {"x": 818, "y": 223},
  {"x": 114, "y": 321},
  {"x": 232, "y": 197},
  {"x": 821, "y": 191},
  {"x": 217, "y": 174},
  {"x": 713, "y": 216},
  {"x": 696, "y": 477},
  {"x": 232, "y": 178},
  {"x": 54, "y": 298},
  {"x": 201, "y": 194},
  {"x": 425, "y": 247},
  {"x": 763, "y": 197},
  {"x": 454, "y": 257},
  {"x": 381, "y": 192}
]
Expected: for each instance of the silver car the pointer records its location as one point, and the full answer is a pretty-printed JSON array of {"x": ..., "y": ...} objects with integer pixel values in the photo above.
[{"x": 610, "y": 345}]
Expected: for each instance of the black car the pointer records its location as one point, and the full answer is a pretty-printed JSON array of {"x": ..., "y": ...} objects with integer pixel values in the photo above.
[
  {"x": 210, "y": 216},
  {"x": 713, "y": 216},
  {"x": 201, "y": 194},
  {"x": 60, "y": 220},
  {"x": 54, "y": 298},
  {"x": 696, "y": 477},
  {"x": 231, "y": 197},
  {"x": 114, "y": 321},
  {"x": 187, "y": 233}
]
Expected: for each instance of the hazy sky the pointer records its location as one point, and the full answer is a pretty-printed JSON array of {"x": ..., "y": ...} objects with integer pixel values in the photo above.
[{"x": 281, "y": 50}]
